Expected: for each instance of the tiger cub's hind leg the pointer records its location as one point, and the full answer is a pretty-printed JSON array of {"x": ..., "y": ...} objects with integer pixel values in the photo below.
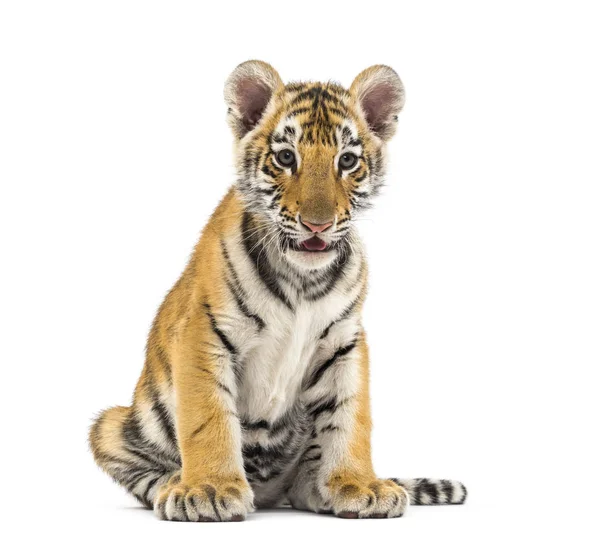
[{"x": 132, "y": 460}]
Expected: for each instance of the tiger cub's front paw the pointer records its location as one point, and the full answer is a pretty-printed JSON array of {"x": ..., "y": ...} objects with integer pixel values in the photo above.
[
  {"x": 376, "y": 498},
  {"x": 215, "y": 500}
]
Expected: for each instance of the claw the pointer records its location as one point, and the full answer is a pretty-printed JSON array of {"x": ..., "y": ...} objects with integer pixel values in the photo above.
[{"x": 237, "y": 518}]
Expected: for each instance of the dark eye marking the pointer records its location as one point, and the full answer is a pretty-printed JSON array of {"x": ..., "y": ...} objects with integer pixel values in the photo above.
[{"x": 267, "y": 171}]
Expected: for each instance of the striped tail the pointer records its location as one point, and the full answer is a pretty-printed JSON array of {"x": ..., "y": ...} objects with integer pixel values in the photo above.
[{"x": 433, "y": 491}]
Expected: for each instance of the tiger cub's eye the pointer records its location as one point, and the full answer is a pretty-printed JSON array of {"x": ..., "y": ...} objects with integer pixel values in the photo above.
[
  {"x": 286, "y": 158},
  {"x": 348, "y": 160}
]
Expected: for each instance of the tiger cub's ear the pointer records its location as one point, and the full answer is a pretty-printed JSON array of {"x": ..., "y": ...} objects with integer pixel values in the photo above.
[
  {"x": 380, "y": 93},
  {"x": 247, "y": 93}
]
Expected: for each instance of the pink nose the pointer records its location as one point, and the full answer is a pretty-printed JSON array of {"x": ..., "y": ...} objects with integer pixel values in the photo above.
[{"x": 317, "y": 228}]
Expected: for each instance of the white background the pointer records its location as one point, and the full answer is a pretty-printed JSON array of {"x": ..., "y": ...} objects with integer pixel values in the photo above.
[{"x": 484, "y": 306}]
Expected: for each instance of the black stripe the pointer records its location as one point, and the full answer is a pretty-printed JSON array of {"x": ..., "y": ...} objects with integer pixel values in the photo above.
[
  {"x": 130, "y": 481},
  {"x": 249, "y": 468},
  {"x": 267, "y": 171},
  {"x": 432, "y": 491},
  {"x": 237, "y": 291},
  {"x": 341, "y": 112},
  {"x": 349, "y": 309},
  {"x": 263, "y": 268},
  {"x": 464, "y": 494},
  {"x": 265, "y": 454},
  {"x": 106, "y": 459},
  {"x": 300, "y": 110},
  {"x": 318, "y": 373},
  {"x": 224, "y": 388},
  {"x": 203, "y": 369},
  {"x": 243, "y": 307},
  {"x": 329, "y": 405},
  {"x": 164, "y": 416},
  {"x": 144, "y": 448},
  {"x": 220, "y": 334},
  {"x": 200, "y": 428},
  {"x": 280, "y": 139},
  {"x": 149, "y": 487},
  {"x": 261, "y": 424},
  {"x": 333, "y": 274},
  {"x": 448, "y": 489}
]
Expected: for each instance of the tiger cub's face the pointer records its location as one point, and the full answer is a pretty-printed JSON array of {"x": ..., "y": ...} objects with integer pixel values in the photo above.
[{"x": 310, "y": 155}]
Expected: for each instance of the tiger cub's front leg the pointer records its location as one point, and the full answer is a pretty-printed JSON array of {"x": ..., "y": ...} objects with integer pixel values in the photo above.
[
  {"x": 335, "y": 473},
  {"x": 212, "y": 485}
]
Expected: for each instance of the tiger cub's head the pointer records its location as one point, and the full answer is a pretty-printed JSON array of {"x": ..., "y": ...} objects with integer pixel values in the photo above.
[{"x": 310, "y": 155}]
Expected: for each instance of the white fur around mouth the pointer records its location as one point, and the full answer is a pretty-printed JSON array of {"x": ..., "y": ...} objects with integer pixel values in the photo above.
[{"x": 311, "y": 260}]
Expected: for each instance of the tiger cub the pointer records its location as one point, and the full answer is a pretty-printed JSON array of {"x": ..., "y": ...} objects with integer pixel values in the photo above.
[{"x": 255, "y": 388}]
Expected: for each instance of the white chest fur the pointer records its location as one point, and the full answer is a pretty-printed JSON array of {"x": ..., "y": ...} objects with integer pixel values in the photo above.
[
  {"x": 274, "y": 360},
  {"x": 274, "y": 368}
]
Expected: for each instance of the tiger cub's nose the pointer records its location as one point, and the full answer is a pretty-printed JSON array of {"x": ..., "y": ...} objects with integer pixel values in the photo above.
[{"x": 316, "y": 228}]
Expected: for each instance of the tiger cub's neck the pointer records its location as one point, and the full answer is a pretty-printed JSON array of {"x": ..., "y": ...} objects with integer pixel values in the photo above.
[{"x": 291, "y": 319}]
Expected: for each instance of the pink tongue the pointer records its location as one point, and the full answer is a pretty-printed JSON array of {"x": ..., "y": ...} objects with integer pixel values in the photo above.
[{"x": 314, "y": 244}]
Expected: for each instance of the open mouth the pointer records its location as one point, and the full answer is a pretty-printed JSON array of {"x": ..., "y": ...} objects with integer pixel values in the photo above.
[{"x": 313, "y": 245}]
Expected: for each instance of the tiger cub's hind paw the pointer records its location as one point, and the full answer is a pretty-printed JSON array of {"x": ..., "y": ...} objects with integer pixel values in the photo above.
[{"x": 373, "y": 499}]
